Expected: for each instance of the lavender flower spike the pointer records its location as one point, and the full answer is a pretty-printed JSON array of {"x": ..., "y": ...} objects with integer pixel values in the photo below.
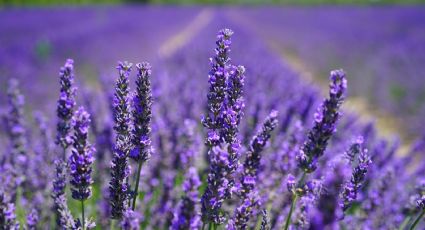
[
  {"x": 243, "y": 212},
  {"x": 120, "y": 170},
  {"x": 351, "y": 188},
  {"x": 249, "y": 173},
  {"x": 142, "y": 115},
  {"x": 7, "y": 214},
  {"x": 66, "y": 104},
  {"x": 265, "y": 222},
  {"x": 187, "y": 214},
  {"x": 66, "y": 221},
  {"x": 216, "y": 191},
  {"x": 81, "y": 159},
  {"x": 252, "y": 160},
  {"x": 325, "y": 120},
  {"x": 32, "y": 220},
  {"x": 218, "y": 178},
  {"x": 130, "y": 220},
  {"x": 232, "y": 116},
  {"x": 15, "y": 123},
  {"x": 217, "y": 88}
]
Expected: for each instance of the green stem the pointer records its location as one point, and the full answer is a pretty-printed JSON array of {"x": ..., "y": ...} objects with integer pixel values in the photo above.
[
  {"x": 405, "y": 222},
  {"x": 294, "y": 201},
  {"x": 417, "y": 220},
  {"x": 203, "y": 226},
  {"x": 82, "y": 215},
  {"x": 288, "y": 218},
  {"x": 302, "y": 179},
  {"x": 136, "y": 188},
  {"x": 112, "y": 226}
]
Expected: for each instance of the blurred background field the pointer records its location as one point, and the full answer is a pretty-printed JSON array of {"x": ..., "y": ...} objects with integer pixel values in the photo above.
[
  {"x": 382, "y": 48},
  {"x": 256, "y": 2}
]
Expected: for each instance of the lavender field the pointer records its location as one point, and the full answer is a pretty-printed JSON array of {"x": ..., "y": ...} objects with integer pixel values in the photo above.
[{"x": 148, "y": 117}]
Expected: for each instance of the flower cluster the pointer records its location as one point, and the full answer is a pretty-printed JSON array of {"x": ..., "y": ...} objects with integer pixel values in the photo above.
[
  {"x": 7, "y": 214},
  {"x": 119, "y": 188},
  {"x": 130, "y": 220},
  {"x": 217, "y": 79},
  {"x": 15, "y": 124},
  {"x": 66, "y": 104},
  {"x": 66, "y": 220},
  {"x": 142, "y": 114},
  {"x": 325, "y": 120},
  {"x": 81, "y": 159},
  {"x": 350, "y": 190},
  {"x": 248, "y": 178},
  {"x": 187, "y": 214}
]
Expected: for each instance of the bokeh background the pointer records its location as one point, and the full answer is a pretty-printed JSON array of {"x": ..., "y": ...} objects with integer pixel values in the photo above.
[{"x": 380, "y": 43}]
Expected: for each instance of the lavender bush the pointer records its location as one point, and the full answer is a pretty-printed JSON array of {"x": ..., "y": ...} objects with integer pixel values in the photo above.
[{"x": 269, "y": 160}]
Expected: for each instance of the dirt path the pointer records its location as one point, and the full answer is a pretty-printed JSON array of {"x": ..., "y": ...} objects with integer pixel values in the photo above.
[{"x": 174, "y": 43}]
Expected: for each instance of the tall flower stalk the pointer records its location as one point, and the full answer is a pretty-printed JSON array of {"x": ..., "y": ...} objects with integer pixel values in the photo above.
[
  {"x": 246, "y": 191},
  {"x": 352, "y": 187},
  {"x": 65, "y": 106},
  {"x": 325, "y": 121},
  {"x": 15, "y": 125},
  {"x": 225, "y": 105},
  {"x": 66, "y": 221},
  {"x": 187, "y": 215},
  {"x": 81, "y": 160},
  {"x": 120, "y": 170},
  {"x": 7, "y": 214},
  {"x": 142, "y": 115}
]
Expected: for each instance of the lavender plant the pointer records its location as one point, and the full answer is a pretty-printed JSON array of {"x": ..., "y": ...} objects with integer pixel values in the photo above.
[
  {"x": 325, "y": 120},
  {"x": 218, "y": 182},
  {"x": 321, "y": 180},
  {"x": 119, "y": 188},
  {"x": 81, "y": 160},
  {"x": 247, "y": 191},
  {"x": 142, "y": 115},
  {"x": 187, "y": 214},
  {"x": 351, "y": 188},
  {"x": 15, "y": 126},
  {"x": 65, "y": 105},
  {"x": 66, "y": 220}
]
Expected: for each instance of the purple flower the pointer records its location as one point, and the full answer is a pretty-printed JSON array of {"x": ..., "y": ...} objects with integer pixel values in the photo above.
[
  {"x": 216, "y": 191},
  {"x": 351, "y": 188},
  {"x": 291, "y": 183},
  {"x": 187, "y": 215},
  {"x": 32, "y": 219},
  {"x": 118, "y": 187},
  {"x": 7, "y": 214},
  {"x": 187, "y": 144},
  {"x": 253, "y": 157},
  {"x": 142, "y": 114},
  {"x": 234, "y": 103},
  {"x": 66, "y": 220},
  {"x": 243, "y": 211},
  {"x": 327, "y": 213},
  {"x": 81, "y": 159},
  {"x": 217, "y": 88},
  {"x": 248, "y": 196},
  {"x": 15, "y": 124},
  {"x": 66, "y": 104},
  {"x": 325, "y": 120},
  {"x": 130, "y": 220},
  {"x": 265, "y": 220}
]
